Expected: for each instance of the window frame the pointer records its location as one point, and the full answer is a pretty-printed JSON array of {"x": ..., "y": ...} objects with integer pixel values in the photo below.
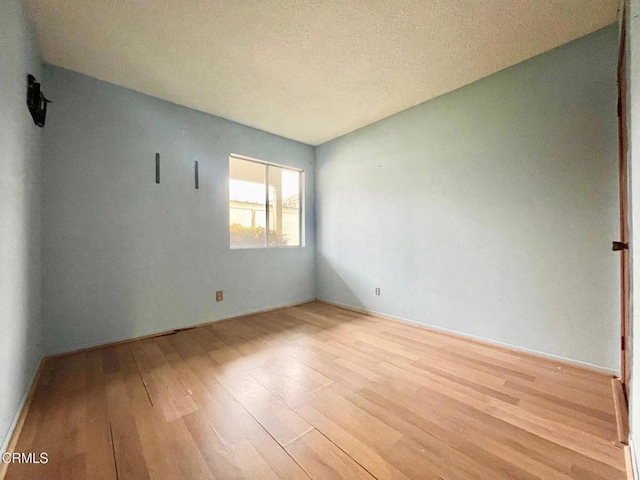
[{"x": 301, "y": 200}]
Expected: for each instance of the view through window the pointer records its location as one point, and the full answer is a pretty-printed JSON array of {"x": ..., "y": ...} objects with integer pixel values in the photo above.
[{"x": 261, "y": 195}]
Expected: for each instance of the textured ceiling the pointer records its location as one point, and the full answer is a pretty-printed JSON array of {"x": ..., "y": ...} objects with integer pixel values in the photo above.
[{"x": 307, "y": 70}]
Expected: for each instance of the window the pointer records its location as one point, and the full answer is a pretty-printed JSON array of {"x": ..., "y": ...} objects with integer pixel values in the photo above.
[{"x": 261, "y": 195}]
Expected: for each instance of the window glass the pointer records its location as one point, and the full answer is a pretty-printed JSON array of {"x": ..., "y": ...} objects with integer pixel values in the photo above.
[
  {"x": 261, "y": 194},
  {"x": 247, "y": 195},
  {"x": 284, "y": 206}
]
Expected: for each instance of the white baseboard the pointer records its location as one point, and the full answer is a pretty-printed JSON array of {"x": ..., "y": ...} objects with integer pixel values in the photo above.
[
  {"x": 21, "y": 405},
  {"x": 570, "y": 361},
  {"x": 634, "y": 460},
  {"x": 116, "y": 340}
]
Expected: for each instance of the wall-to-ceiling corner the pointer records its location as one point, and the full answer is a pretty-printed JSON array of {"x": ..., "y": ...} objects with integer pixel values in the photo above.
[
  {"x": 488, "y": 211},
  {"x": 20, "y": 184},
  {"x": 126, "y": 257}
]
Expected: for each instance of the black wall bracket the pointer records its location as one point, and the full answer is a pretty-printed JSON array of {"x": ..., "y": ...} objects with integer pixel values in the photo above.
[{"x": 36, "y": 101}]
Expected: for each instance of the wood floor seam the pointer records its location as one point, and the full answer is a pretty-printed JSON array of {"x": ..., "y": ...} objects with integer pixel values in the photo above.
[
  {"x": 316, "y": 391},
  {"x": 283, "y": 447},
  {"x": 113, "y": 450},
  {"x": 341, "y": 449}
]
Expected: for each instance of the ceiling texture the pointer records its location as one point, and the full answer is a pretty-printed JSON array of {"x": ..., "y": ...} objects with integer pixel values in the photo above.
[{"x": 310, "y": 70}]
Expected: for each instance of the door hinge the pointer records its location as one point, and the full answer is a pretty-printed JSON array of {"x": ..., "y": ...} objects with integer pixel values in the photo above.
[
  {"x": 618, "y": 246},
  {"x": 623, "y": 343}
]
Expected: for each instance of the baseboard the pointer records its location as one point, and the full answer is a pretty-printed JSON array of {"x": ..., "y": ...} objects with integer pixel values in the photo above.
[
  {"x": 23, "y": 409},
  {"x": 119, "y": 341},
  {"x": 621, "y": 410},
  {"x": 10, "y": 442},
  {"x": 482, "y": 340},
  {"x": 631, "y": 461}
]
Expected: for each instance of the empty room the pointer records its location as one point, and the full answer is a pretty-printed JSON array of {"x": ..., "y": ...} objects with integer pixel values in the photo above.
[{"x": 328, "y": 239}]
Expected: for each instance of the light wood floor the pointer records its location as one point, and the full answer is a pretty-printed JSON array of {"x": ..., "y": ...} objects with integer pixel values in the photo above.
[{"x": 317, "y": 392}]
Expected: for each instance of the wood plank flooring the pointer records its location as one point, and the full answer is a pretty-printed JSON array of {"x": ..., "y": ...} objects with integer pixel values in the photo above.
[{"x": 318, "y": 392}]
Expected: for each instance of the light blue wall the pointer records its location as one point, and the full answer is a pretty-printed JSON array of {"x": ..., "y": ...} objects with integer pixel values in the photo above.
[
  {"x": 125, "y": 257},
  {"x": 488, "y": 211},
  {"x": 20, "y": 179}
]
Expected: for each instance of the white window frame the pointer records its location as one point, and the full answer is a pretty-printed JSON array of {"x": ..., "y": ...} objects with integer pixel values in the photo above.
[{"x": 301, "y": 193}]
